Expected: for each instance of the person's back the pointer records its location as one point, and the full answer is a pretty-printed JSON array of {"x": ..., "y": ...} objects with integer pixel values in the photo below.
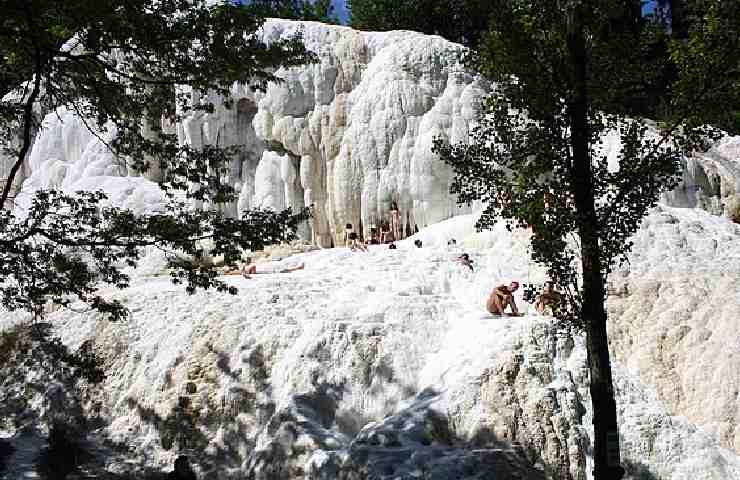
[{"x": 549, "y": 296}]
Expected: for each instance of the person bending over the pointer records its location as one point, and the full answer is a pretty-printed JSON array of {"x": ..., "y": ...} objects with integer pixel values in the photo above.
[
  {"x": 502, "y": 297},
  {"x": 355, "y": 243}
]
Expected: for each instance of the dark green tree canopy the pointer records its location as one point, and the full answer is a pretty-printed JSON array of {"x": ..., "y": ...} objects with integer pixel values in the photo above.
[
  {"x": 122, "y": 66},
  {"x": 462, "y": 21},
  {"x": 317, "y": 11}
]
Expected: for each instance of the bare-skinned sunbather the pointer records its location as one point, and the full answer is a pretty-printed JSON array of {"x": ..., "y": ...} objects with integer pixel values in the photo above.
[
  {"x": 250, "y": 268},
  {"x": 549, "y": 297},
  {"x": 502, "y": 297}
]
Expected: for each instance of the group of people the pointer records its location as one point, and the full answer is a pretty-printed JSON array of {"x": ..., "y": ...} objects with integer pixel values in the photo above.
[
  {"x": 389, "y": 232},
  {"x": 502, "y": 297}
]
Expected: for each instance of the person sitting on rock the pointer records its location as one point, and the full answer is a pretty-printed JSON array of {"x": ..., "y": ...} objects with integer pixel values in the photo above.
[
  {"x": 502, "y": 297},
  {"x": 418, "y": 243},
  {"x": 549, "y": 296},
  {"x": 392, "y": 246},
  {"x": 355, "y": 243},
  {"x": 465, "y": 260},
  {"x": 183, "y": 470}
]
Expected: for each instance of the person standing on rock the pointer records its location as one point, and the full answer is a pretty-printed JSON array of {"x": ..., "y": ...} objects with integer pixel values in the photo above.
[
  {"x": 373, "y": 240},
  {"x": 385, "y": 233},
  {"x": 502, "y": 297},
  {"x": 348, "y": 230},
  {"x": 395, "y": 222}
]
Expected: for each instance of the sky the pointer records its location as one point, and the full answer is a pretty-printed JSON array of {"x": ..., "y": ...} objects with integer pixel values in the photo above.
[{"x": 340, "y": 8}]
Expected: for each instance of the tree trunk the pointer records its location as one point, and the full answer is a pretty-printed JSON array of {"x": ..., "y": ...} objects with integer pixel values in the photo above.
[
  {"x": 28, "y": 121},
  {"x": 593, "y": 313}
]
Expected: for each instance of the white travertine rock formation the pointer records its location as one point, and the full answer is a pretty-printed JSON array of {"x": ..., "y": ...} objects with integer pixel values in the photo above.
[
  {"x": 354, "y": 132},
  {"x": 711, "y": 181},
  {"x": 675, "y": 314},
  {"x": 384, "y": 365}
]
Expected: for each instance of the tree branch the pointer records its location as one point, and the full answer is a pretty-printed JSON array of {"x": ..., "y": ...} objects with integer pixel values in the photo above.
[{"x": 27, "y": 125}]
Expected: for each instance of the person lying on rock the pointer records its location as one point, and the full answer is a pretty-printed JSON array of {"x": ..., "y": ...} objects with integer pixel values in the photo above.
[
  {"x": 355, "y": 243},
  {"x": 549, "y": 296},
  {"x": 250, "y": 268},
  {"x": 465, "y": 260},
  {"x": 502, "y": 297}
]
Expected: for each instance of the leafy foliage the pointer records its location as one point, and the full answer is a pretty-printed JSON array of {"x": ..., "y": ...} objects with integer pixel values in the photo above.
[
  {"x": 572, "y": 78},
  {"x": 461, "y": 21},
  {"x": 520, "y": 160},
  {"x": 67, "y": 245},
  {"x": 317, "y": 11},
  {"x": 133, "y": 69},
  {"x": 707, "y": 90}
]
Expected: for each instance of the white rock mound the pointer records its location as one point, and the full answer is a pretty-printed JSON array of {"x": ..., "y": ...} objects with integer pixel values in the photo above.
[
  {"x": 379, "y": 365},
  {"x": 348, "y": 135}
]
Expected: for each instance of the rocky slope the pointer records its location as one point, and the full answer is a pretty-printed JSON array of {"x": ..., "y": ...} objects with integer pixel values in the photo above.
[
  {"x": 674, "y": 317},
  {"x": 378, "y": 365}
]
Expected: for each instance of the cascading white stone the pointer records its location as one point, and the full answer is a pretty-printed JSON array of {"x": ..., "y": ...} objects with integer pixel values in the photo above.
[{"x": 357, "y": 127}]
